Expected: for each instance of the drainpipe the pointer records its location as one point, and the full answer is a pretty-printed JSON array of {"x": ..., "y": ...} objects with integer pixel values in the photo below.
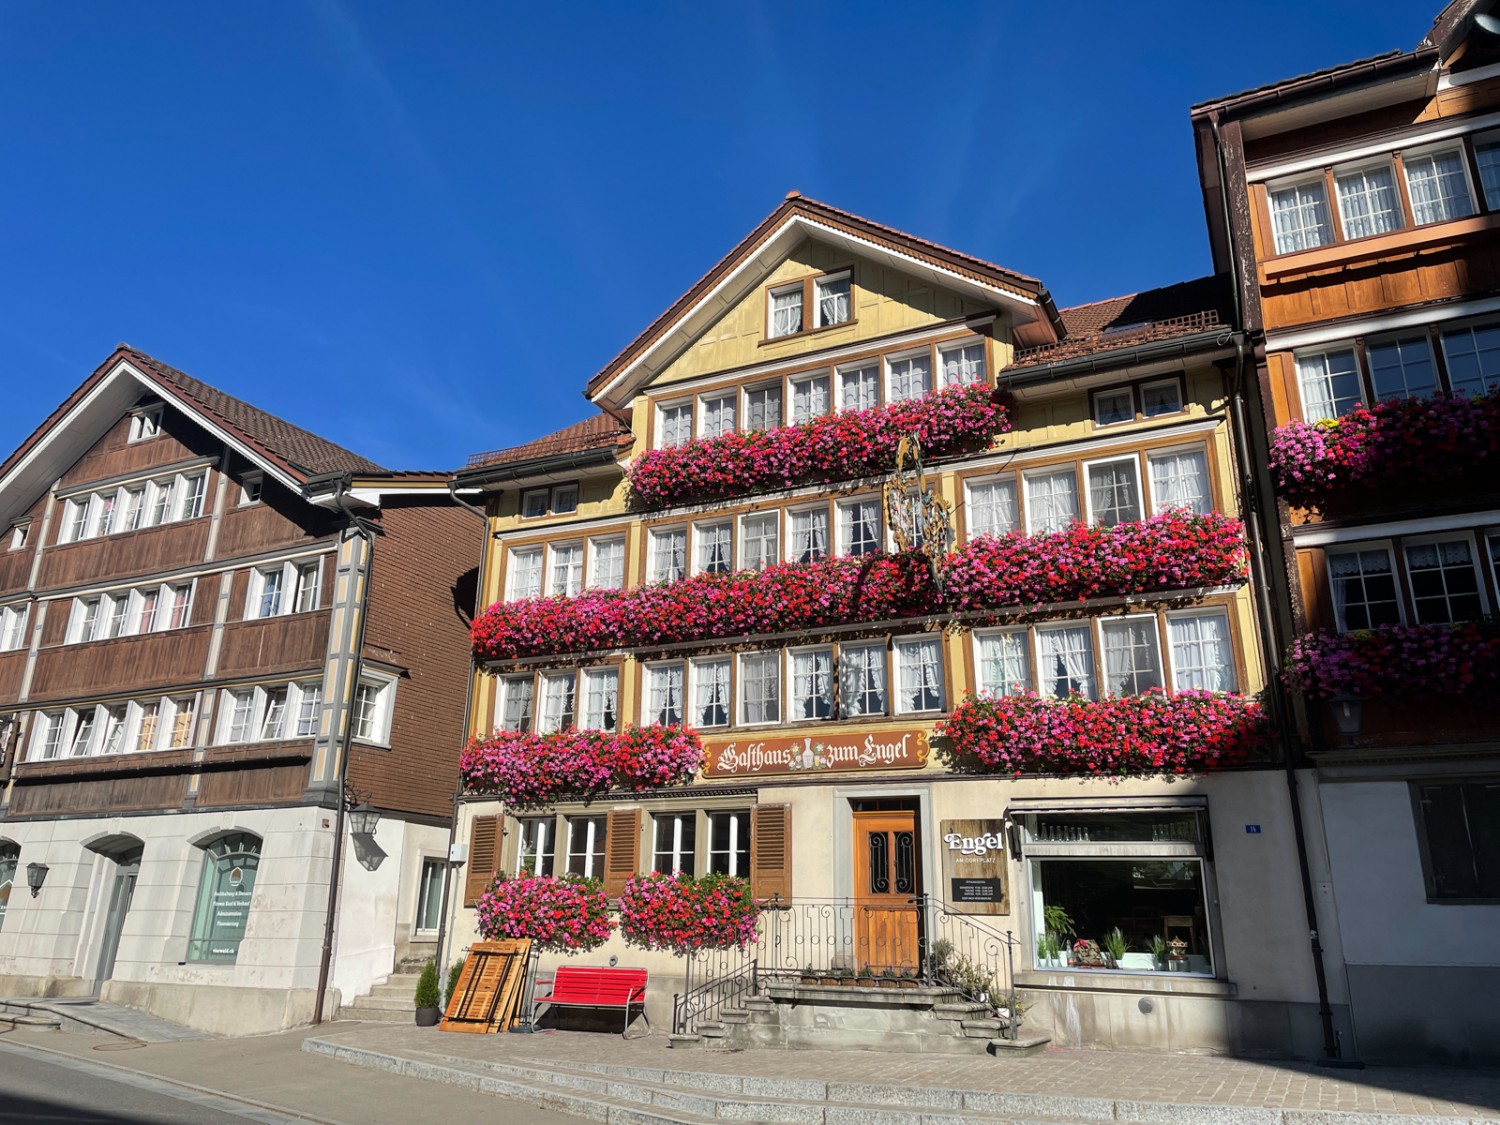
[
  {"x": 458, "y": 790},
  {"x": 1271, "y": 634},
  {"x": 366, "y": 531}
]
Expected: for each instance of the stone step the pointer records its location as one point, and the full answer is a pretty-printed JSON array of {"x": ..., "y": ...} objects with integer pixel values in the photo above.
[
  {"x": 981, "y": 1029},
  {"x": 651, "y": 1096},
  {"x": 11, "y": 1022},
  {"x": 359, "y": 1011},
  {"x": 390, "y": 1003}
]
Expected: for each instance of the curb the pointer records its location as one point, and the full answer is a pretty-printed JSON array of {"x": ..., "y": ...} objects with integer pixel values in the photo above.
[{"x": 935, "y": 1103}]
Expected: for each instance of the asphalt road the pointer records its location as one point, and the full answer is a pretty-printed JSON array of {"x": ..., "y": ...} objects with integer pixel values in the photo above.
[{"x": 40, "y": 1090}]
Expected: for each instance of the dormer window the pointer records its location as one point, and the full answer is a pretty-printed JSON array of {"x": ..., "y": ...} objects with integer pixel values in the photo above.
[
  {"x": 831, "y": 300},
  {"x": 250, "y": 488},
  {"x": 19, "y": 534},
  {"x": 786, "y": 311},
  {"x": 822, "y": 301},
  {"x": 145, "y": 424}
]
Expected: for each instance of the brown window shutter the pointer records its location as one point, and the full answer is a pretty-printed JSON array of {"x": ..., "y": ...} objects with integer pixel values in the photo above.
[
  {"x": 771, "y": 852},
  {"x": 622, "y": 837},
  {"x": 484, "y": 857}
]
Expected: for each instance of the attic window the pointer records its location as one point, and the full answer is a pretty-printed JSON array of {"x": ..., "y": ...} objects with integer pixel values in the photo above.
[
  {"x": 145, "y": 424},
  {"x": 19, "y": 533},
  {"x": 250, "y": 487},
  {"x": 822, "y": 301}
]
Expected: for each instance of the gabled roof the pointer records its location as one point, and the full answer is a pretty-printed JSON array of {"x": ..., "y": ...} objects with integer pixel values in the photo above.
[
  {"x": 599, "y": 432},
  {"x": 288, "y": 453},
  {"x": 1184, "y": 309},
  {"x": 763, "y": 248}
]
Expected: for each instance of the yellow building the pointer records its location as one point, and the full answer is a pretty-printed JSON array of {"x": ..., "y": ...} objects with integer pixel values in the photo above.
[{"x": 825, "y": 781}]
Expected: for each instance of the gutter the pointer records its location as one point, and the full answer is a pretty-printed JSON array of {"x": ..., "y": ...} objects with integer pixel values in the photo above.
[
  {"x": 1381, "y": 66},
  {"x": 519, "y": 470},
  {"x": 1154, "y": 351}
]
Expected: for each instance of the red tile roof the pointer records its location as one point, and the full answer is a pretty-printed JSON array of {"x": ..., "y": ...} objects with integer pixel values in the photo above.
[
  {"x": 599, "y": 432},
  {"x": 1184, "y": 309}
]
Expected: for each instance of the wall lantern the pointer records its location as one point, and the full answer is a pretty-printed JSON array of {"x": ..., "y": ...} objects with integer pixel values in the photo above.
[
  {"x": 1347, "y": 712},
  {"x": 363, "y": 819},
  {"x": 36, "y": 875}
]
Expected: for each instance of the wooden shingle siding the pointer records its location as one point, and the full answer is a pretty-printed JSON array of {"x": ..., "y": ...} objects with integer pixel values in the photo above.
[
  {"x": 156, "y": 660},
  {"x": 114, "y": 455},
  {"x": 131, "y": 553},
  {"x": 264, "y": 786},
  {"x": 298, "y": 640}
]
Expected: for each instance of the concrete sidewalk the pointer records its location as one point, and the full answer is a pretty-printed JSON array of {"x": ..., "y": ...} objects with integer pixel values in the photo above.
[{"x": 601, "y": 1076}]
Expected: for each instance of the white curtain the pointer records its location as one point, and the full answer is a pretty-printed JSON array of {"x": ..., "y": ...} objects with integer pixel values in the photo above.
[
  {"x": 862, "y": 527},
  {"x": 666, "y": 694},
  {"x": 809, "y": 398},
  {"x": 1300, "y": 217},
  {"x": 786, "y": 312},
  {"x": 1200, "y": 653},
  {"x": 763, "y": 408},
  {"x": 812, "y": 684},
  {"x": 1180, "y": 480},
  {"x": 711, "y": 693},
  {"x": 516, "y": 708},
  {"x": 760, "y": 687},
  {"x": 921, "y": 678},
  {"x": 1003, "y": 665},
  {"x": 759, "y": 537},
  {"x": 833, "y": 301},
  {"x": 670, "y": 556},
  {"x": 992, "y": 508},
  {"x": 1368, "y": 202},
  {"x": 809, "y": 535},
  {"x": 1130, "y": 657},
  {"x": 862, "y": 680},
  {"x": 714, "y": 554},
  {"x": 857, "y": 389},
  {"x": 963, "y": 365},
  {"x": 1113, "y": 493},
  {"x": 1052, "y": 499},
  {"x": 1066, "y": 662},
  {"x": 1438, "y": 188}
]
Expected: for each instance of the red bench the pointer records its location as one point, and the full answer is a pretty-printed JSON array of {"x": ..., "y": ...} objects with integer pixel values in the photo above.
[{"x": 585, "y": 986}]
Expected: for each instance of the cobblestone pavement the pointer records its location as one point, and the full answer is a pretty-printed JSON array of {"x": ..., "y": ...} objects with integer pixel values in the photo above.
[{"x": 1120, "y": 1075}]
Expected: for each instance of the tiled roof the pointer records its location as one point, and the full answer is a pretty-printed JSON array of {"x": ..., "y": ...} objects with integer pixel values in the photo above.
[
  {"x": 304, "y": 452},
  {"x": 599, "y": 432},
  {"x": 1184, "y": 309}
]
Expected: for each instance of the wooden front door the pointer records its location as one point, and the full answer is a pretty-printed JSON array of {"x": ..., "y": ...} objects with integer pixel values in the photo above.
[{"x": 887, "y": 881}]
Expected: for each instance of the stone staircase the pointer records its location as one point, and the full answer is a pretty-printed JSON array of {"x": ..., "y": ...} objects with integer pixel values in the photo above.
[
  {"x": 819, "y": 1017},
  {"x": 391, "y": 1002}
]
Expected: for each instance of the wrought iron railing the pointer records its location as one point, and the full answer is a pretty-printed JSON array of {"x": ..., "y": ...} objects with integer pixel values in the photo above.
[{"x": 921, "y": 941}]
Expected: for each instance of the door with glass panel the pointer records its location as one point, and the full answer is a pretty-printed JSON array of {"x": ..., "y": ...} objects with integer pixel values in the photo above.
[
  {"x": 886, "y": 883},
  {"x": 122, "y": 890}
]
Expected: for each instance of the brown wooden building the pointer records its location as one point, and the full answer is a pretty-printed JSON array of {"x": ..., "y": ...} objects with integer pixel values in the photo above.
[
  {"x": 1359, "y": 209},
  {"x": 216, "y": 625}
]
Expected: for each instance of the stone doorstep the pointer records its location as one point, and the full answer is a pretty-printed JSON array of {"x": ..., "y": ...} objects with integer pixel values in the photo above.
[
  {"x": 376, "y": 1015},
  {"x": 672, "y": 1092}
]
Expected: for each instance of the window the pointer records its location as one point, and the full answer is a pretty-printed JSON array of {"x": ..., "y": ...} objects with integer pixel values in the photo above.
[
  {"x": 992, "y": 507},
  {"x": 909, "y": 377},
  {"x": 534, "y": 503},
  {"x": 1402, "y": 368},
  {"x": 763, "y": 408},
  {"x": 785, "y": 311},
  {"x": 607, "y": 563},
  {"x": 128, "y": 613},
  {"x": 1144, "y": 872},
  {"x": 1065, "y": 661},
  {"x": 1444, "y": 583},
  {"x": 275, "y": 712},
  {"x": 1201, "y": 657},
  {"x": 1364, "y": 589},
  {"x": 13, "y": 627},
  {"x": 586, "y": 846},
  {"x": 1438, "y": 185},
  {"x": 919, "y": 675},
  {"x": 557, "y": 702},
  {"x": 83, "y": 732},
  {"x": 561, "y": 500},
  {"x": 145, "y": 424},
  {"x": 1299, "y": 216},
  {"x": 565, "y": 574},
  {"x": 112, "y": 740},
  {"x": 674, "y": 424},
  {"x": 1472, "y": 354},
  {"x": 664, "y": 694},
  {"x": 1051, "y": 500},
  {"x": 1114, "y": 491},
  {"x": 760, "y": 688},
  {"x": 290, "y": 587},
  {"x": 1003, "y": 665},
  {"x": 862, "y": 680},
  {"x": 224, "y": 895},
  {"x": 1179, "y": 479},
  {"x": 535, "y": 854},
  {"x": 859, "y": 527},
  {"x": 513, "y": 703},
  {"x": 675, "y": 836},
  {"x": 1329, "y": 382},
  {"x": 1114, "y": 406},
  {"x": 962, "y": 364},
  {"x": 1460, "y": 835},
  {"x": 523, "y": 577},
  {"x": 430, "y": 895},
  {"x": 601, "y": 690},
  {"x": 1487, "y": 157},
  {"x": 190, "y": 490},
  {"x": 729, "y": 843},
  {"x": 133, "y": 506},
  {"x": 1132, "y": 662},
  {"x": 808, "y": 535},
  {"x": 716, "y": 415},
  {"x": 831, "y": 303},
  {"x": 46, "y": 736},
  {"x": 250, "y": 489},
  {"x": 668, "y": 560},
  {"x": 760, "y": 545},
  {"x": 714, "y": 553},
  {"x": 19, "y": 535},
  {"x": 809, "y": 398},
  {"x": 859, "y": 387},
  {"x": 10, "y": 858},
  {"x": 711, "y": 694},
  {"x": 564, "y": 499},
  {"x": 236, "y": 715},
  {"x": 1368, "y": 202},
  {"x": 1161, "y": 398},
  {"x": 374, "y": 703},
  {"x": 812, "y": 684},
  {"x": 309, "y": 702}
]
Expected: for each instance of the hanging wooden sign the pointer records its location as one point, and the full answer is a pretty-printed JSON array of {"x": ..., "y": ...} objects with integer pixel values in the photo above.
[
  {"x": 838, "y": 752},
  {"x": 974, "y": 866},
  {"x": 489, "y": 987}
]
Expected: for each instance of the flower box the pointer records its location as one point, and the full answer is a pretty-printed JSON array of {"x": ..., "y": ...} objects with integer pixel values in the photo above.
[
  {"x": 835, "y": 447},
  {"x": 1167, "y": 552},
  {"x": 566, "y": 915},
  {"x": 683, "y": 915},
  {"x": 534, "y": 770},
  {"x": 1398, "y": 662},
  {"x": 1152, "y": 733}
]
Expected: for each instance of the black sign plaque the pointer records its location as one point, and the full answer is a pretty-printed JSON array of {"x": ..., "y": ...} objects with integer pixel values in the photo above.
[{"x": 978, "y": 890}]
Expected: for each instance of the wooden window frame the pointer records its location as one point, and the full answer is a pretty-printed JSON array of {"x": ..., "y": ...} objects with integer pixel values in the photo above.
[{"x": 809, "y": 285}]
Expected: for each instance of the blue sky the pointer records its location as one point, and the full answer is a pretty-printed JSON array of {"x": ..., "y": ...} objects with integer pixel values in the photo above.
[{"x": 418, "y": 229}]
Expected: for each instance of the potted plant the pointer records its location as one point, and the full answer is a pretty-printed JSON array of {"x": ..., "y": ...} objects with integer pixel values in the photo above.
[
  {"x": 1115, "y": 947},
  {"x": 1159, "y": 952},
  {"x": 428, "y": 999},
  {"x": 455, "y": 971},
  {"x": 1057, "y": 927}
]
